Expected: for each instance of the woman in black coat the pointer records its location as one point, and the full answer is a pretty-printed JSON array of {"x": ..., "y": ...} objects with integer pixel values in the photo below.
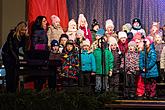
[{"x": 10, "y": 54}]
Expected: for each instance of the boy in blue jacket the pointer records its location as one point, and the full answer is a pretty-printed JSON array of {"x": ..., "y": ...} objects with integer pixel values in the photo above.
[{"x": 88, "y": 65}]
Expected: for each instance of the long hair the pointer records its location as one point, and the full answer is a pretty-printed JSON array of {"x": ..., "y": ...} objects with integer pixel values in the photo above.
[
  {"x": 38, "y": 23},
  {"x": 18, "y": 28}
]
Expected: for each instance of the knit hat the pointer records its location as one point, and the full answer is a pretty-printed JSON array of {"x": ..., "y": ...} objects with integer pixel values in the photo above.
[
  {"x": 156, "y": 24},
  {"x": 136, "y": 20},
  {"x": 86, "y": 42},
  {"x": 132, "y": 43},
  {"x": 100, "y": 32},
  {"x": 149, "y": 39},
  {"x": 55, "y": 18},
  {"x": 112, "y": 40},
  {"x": 138, "y": 36},
  {"x": 94, "y": 23},
  {"x": 122, "y": 34},
  {"x": 108, "y": 23},
  {"x": 82, "y": 18},
  {"x": 54, "y": 43},
  {"x": 72, "y": 26},
  {"x": 81, "y": 32},
  {"x": 71, "y": 42},
  {"x": 128, "y": 26}
]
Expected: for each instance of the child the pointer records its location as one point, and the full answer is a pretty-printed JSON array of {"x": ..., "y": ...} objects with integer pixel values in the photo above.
[
  {"x": 114, "y": 79},
  {"x": 99, "y": 34},
  {"x": 148, "y": 69},
  {"x": 131, "y": 69},
  {"x": 54, "y": 64},
  {"x": 88, "y": 65},
  {"x": 109, "y": 27},
  {"x": 162, "y": 64},
  {"x": 95, "y": 28},
  {"x": 55, "y": 30},
  {"x": 70, "y": 64},
  {"x": 100, "y": 71},
  {"x": 158, "y": 48},
  {"x": 62, "y": 41},
  {"x": 72, "y": 28},
  {"x": 137, "y": 27},
  {"x": 83, "y": 25}
]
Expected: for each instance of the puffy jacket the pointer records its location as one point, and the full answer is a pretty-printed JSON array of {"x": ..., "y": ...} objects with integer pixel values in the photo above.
[
  {"x": 88, "y": 62},
  {"x": 108, "y": 61},
  {"x": 151, "y": 66}
]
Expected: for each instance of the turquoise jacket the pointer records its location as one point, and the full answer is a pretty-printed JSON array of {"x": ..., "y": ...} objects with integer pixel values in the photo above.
[
  {"x": 109, "y": 60},
  {"x": 88, "y": 62},
  {"x": 151, "y": 66}
]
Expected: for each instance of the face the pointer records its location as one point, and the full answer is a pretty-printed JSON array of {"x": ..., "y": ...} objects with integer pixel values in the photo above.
[
  {"x": 110, "y": 29},
  {"x": 86, "y": 47},
  {"x": 96, "y": 27},
  {"x": 55, "y": 48},
  {"x": 158, "y": 39},
  {"x": 131, "y": 48},
  {"x": 63, "y": 41},
  {"x": 123, "y": 39},
  {"x": 124, "y": 28},
  {"x": 113, "y": 46},
  {"x": 136, "y": 24},
  {"x": 82, "y": 23},
  {"x": 23, "y": 31},
  {"x": 154, "y": 29},
  {"x": 69, "y": 47},
  {"x": 137, "y": 41},
  {"x": 44, "y": 23},
  {"x": 79, "y": 36},
  {"x": 97, "y": 37}
]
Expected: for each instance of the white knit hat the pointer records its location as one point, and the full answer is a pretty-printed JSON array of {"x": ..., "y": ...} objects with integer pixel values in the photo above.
[
  {"x": 112, "y": 40},
  {"x": 70, "y": 27},
  {"x": 81, "y": 32},
  {"x": 82, "y": 18},
  {"x": 108, "y": 23},
  {"x": 122, "y": 34},
  {"x": 86, "y": 42},
  {"x": 132, "y": 43},
  {"x": 128, "y": 26}
]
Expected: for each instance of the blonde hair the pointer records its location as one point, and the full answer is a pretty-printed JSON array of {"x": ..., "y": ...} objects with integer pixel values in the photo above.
[{"x": 18, "y": 28}]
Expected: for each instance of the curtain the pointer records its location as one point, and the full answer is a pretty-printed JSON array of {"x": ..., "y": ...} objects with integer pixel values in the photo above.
[
  {"x": 48, "y": 8},
  {"x": 120, "y": 11}
]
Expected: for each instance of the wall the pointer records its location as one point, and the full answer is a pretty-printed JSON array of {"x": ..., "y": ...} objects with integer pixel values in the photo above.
[{"x": 11, "y": 12}]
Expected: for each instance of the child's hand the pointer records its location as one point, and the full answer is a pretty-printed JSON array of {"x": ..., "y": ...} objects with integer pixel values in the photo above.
[
  {"x": 110, "y": 73},
  {"x": 93, "y": 73}
]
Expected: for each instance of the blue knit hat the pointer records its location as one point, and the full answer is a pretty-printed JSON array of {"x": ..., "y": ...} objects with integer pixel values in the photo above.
[
  {"x": 100, "y": 32},
  {"x": 54, "y": 43}
]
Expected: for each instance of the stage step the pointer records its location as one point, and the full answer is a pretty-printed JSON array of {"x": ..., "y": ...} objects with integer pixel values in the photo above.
[{"x": 136, "y": 104}]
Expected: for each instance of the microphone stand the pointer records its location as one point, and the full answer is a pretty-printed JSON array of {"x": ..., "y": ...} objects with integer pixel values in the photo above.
[
  {"x": 145, "y": 66},
  {"x": 125, "y": 75},
  {"x": 103, "y": 65},
  {"x": 79, "y": 50}
]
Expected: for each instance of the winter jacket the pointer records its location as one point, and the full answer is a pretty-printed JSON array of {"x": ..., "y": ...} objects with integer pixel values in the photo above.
[
  {"x": 151, "y": 66},
  {"x": 88, "y": 61},
  {"x": 108, "y": 61},
  {"x": 117, "y": 61}
]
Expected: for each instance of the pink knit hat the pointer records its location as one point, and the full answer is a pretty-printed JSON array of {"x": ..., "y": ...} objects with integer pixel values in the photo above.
[{"x": 149, "y": 39}]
